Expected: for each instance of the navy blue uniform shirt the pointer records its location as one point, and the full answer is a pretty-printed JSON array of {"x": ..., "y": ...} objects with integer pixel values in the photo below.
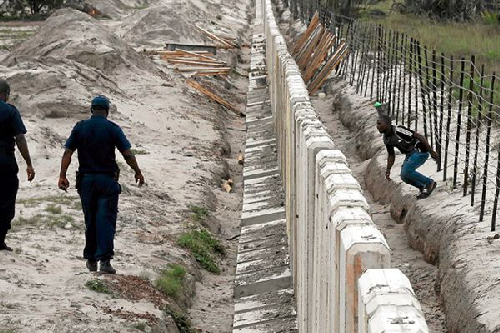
[
  {"x": 96, "y": 139},
  {"x": 11, "y": 125}
]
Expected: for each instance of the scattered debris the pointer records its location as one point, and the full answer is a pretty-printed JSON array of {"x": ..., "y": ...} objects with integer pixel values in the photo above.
[
  {"x": 198, "y": 63},
  {"x": 241, "y": 158},
  {"x": 227, "y": 185},
  {"x": 213, "y": 96}
]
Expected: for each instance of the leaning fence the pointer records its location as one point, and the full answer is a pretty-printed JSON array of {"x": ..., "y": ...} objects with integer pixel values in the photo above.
[{"x": 451, "y": 100}]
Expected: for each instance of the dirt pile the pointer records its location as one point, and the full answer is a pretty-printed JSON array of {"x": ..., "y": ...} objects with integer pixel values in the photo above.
[{"x": 68, "y": 60}]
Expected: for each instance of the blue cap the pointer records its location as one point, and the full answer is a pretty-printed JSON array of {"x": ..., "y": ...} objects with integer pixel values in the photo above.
[{"x": 100, "y": 100}]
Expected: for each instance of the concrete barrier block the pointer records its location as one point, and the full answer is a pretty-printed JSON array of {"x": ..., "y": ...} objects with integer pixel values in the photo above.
[
  {"x": 361, "y": 247},
  {"x": 397, "y": 319},
  {"x": 380, "y": 289},
  {"x": 347, "y": 198},
  {"x": 336, "y": 181}
]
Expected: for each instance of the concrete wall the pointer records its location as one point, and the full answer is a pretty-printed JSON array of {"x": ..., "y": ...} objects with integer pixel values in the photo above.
[{"x": 332, "y": 239}]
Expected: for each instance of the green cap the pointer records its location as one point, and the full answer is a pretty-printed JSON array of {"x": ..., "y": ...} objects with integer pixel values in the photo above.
[{"x": 378, "y": 104}]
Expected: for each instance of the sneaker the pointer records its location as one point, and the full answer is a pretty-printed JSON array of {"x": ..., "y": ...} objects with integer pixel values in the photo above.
[
  {"x": 106, "y": 267},
  {"x": 4, "y": 246},
  {"x": 91, "y": 265},
  {"x": 424, "y": 193}
]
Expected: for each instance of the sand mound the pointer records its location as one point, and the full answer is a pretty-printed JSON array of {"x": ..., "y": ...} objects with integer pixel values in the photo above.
[{"x": 73, "y": 35}]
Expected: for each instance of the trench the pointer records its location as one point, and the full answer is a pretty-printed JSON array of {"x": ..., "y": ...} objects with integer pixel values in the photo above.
[{"x": 423, "y": 276}]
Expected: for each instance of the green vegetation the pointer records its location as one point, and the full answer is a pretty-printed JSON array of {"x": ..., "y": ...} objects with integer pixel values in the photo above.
[
  {"x": 452, "y": 38},
  {"x": 199, "y": 213},
  {"x": 138, "y": 7},
  {"x": 204, "y": 247},
  {"x": 55, "y": 199},
  {"x": 181, "y": 320},
  {"x": 51, "y": 221},
  {"x": 139, "y": 151},
  {"x": 97, "y": 286},
  {"x": 171, "y": 280},
  {"x": 141, "y": 326},
  {"x": 53, "y": 209},
  {"x": 7, "y": 330}
]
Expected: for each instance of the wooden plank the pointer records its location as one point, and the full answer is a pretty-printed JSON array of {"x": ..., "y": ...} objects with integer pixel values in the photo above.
[
  {"x": 306, "y": 55},
  {"x": 319, "y": 57},
  {"x": 306, "y": 34},
  {"x": 203, "y": 73},
  {"x": 204, "y": 57},
  {"x": 327, "y": 69},
  {"x": 195, "y": 63},
  {"x": 213, "y": 96},
  {"x": 215, "y": 37},
  {"x": 176, "y": 52},
  {"x": 193, "y": 68}
]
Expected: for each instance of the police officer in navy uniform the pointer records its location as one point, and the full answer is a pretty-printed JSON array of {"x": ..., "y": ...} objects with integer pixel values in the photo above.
[
  {"x": 97, "y": 181},
  {"x": 12, "y": 132}
]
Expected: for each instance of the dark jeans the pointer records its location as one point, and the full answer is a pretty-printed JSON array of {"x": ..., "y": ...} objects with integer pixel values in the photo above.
[
  {"x": 9, "y": 186},
  {"x": 409, "y": 168},
  {"x": 99, "y": 196}
]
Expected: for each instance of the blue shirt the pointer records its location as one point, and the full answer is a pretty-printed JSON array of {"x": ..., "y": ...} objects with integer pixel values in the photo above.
[
  {"x": 11, "y": 125},
  {"x": 96, "y": 139}
]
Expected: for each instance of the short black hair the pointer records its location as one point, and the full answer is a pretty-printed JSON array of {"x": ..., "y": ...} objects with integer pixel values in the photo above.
[
  {"x": 4, "y": 87},
  {"x": 386, "y": 119}
]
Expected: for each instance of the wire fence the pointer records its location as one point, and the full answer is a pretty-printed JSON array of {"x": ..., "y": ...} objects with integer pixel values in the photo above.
[{"x": 450, "y": 100}]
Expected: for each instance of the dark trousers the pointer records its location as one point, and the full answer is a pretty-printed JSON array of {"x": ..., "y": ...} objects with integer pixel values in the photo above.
[
  {"x": 9, "y": 184},
  {"x": 99, "y": 196}
]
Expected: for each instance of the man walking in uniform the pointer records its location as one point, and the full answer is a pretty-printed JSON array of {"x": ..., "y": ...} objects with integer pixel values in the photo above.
[
  {"x": 417, "y": 149},
  {"x": 12, "y": 132},
  {"x": 97, "y": 180}
]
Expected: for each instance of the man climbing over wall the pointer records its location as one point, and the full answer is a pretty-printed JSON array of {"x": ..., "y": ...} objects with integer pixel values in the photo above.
[
  {"x": 97, "y": 180},
  {"x": 416, "y": 148},
  {"x": 12, "y": 132}
]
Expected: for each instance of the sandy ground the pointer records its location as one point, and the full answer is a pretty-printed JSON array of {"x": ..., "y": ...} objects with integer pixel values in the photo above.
[{"x": 186, "y": 147}]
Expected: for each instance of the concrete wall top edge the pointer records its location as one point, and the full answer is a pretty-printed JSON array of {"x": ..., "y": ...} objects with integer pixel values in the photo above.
[
  {"x": 330, "y": 156},
  {"x": 362, "y": 234},
  {"x": 386, "y": 280}
]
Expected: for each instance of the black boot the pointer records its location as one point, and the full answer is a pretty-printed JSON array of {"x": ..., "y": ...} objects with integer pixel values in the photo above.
[
  {"x": 91, "y": 265},
  {"x": 106, "y": 267},
  {"x": 4, "y": 246}
]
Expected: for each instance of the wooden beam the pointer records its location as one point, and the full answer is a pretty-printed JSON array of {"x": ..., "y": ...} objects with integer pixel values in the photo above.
[
  {"x": 213, "y": 96},
  {"x": 306, "y": 34},
  {"x": 195, "y": 63},
  {"x": 306, "y": 55},
  {"x": 215, "y": 37},
  {"x": 319, "y": 56},
  {"x": 327, "y": 69}
]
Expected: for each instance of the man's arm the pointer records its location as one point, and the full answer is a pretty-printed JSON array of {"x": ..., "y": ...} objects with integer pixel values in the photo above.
[
  {"x": 426, "y": 144},
  {"x": 63, "y": 183},
  {"x": 390, "y": 162},
  {"x": 22, "y": 145},
  {"x": 129, "y": 157}
]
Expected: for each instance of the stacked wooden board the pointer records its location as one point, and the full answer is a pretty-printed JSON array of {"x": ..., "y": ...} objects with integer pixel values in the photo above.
[
  {"x": 197, "y": 62},
  {"x": 317, "y": 54}
]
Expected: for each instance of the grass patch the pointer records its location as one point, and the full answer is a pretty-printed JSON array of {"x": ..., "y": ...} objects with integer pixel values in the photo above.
[
  {"x": 171, "y": 280},
  {"x": 139, "y": 152},
  {"x": 142, "y": 326},
  {"x": 53, "y": 209},
  {"x": 54, "y": 199},
  {"x": 199, "y": 213},
  {"x": 7, "y": 330},
  {"x": 51, "y": 221},
  {"x": 452, "y": 38},
  {"x": 98, "y": 286},
  {"x": 181, "y": 321},
  {"x": 204, "y": 247}
]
